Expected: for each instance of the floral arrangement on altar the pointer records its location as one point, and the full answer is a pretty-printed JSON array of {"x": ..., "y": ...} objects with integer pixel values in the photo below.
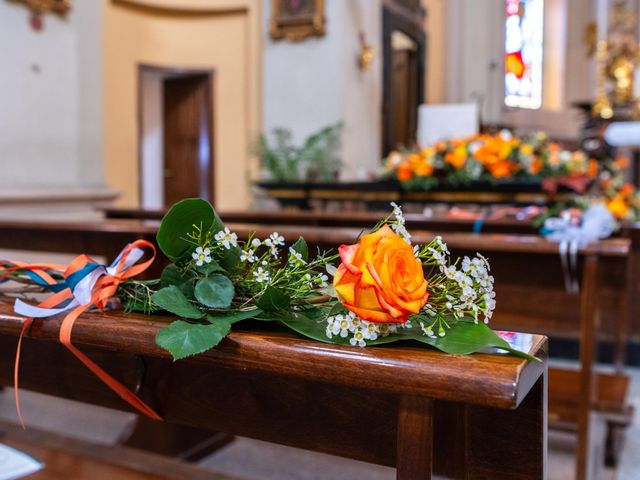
[
  {"x": 385, "y": 289},
  {"x": 487, "y": 157}
]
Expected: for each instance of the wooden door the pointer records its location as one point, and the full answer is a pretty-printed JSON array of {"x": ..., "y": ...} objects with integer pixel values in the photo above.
[
  {"x": 187, "y": 138},
  {"x": 402, "y": 73},
  {"x": 403, "y": 108}
]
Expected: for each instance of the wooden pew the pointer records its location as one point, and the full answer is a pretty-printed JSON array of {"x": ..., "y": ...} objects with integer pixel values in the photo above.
[
  {"x": 478, "y": 416},
  {"x": 531, "y": 296}
]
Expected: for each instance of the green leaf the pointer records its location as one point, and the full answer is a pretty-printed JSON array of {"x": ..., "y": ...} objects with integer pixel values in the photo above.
[
  {"x": 179, "y": 222},
  {"x": 215, "y": 291},
  {"x": 183, "y": 339},
  {"x": 230, "y": 259},
  {"x": 172, "y": 275},
  {"x": 233, "y": 317},
  {"x": 302, "y": 248},
  {"x": 466, "y": 336},
  {"x": 209, "y": 268},
  {"x": 173, "y": 300},
  {"x": 274, "y": 299},
  {"x": 184, "y": 280}
]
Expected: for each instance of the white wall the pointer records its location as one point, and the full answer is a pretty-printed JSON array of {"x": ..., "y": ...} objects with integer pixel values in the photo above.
[
  {"x": 152, "y": 141},
  {"x": 50, "y": 114},
  {"x": 311, "y": 84}
]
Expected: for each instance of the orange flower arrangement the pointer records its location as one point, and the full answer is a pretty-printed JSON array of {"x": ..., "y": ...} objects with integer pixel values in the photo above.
[
  {"x": 380, "y": 279},
  {"x": 457, "y": 157},
  {"x": 487, "y": 157},
  {"x": 620, "y": 204}
]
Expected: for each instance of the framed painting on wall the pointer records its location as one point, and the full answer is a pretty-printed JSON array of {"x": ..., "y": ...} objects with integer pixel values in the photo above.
[{"x": 296, "y": 20}]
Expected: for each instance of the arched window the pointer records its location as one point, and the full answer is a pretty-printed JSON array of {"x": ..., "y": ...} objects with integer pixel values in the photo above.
[{"x": 524, "y": 34}]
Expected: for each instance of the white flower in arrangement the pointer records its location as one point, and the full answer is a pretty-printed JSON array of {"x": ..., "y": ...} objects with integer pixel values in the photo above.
[
  {"x": 256, "y": 242},
  {"x": 295, "y": 257},
  {"x": 370, "y": 330},
  {"x": 201, "y": 256},
  {"x": 441, "y": 245},
  {"x": 565, "y": 156},
  {"x": 322, "y": 280},
  {"x": 360, "y": 330},
  {"x": 261, "y": 275},
  {"x": 227, "y": 238},
  {"x": 358, "y": 338},
  {"x": 451, "y": 272},
  {"x": 427, "y": 330},
  {"x": 248, "y": 256},
  {"x": 274, "y": 240},
  {"x": 416, "y": 251},
  {"x": 398, "y": 225},
  {"x": 474, "y": 146},
  {"x": 506, "y": 135}
]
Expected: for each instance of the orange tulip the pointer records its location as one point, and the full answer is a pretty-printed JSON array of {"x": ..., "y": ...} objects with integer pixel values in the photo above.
[{"x": 379, "y": 279}]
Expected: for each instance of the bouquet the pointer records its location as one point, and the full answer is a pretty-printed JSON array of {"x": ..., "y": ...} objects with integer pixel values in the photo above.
[
  {"x": 491, "y": 158},
  {"x": 384, "y": 289}
]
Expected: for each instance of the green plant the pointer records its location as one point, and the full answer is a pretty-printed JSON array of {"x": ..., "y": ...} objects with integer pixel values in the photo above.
[{"x": 316, "y": 159}]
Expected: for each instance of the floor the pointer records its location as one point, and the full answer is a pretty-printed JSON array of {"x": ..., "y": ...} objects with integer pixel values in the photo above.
[{"x": 257, "y": 460}]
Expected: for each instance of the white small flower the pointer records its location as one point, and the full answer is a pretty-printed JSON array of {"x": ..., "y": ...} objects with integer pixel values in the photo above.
[
  {"x": 275, "y": 239},
  {"x": 343, "y": 325},
  {"x": 201, "y": 256},
  {"x": 427, "y": 330},
  {"x": 255, "y": 243},
  {"x": 227, "y": 238},
  {"x": 248, "y": 256},
  {"x": 295, "y": 257},
  {"x": 358, "y": 338},
  {"x": 370, "y": 330},
  {"x": 321, "y": 280},
  {"x": 261, "y": 275},
  {"x": 505, "y": 134}
]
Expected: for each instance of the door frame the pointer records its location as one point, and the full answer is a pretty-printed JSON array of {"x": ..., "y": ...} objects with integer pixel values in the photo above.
[
  {"x": 178, "y": 71},
  {"x": 410, "y": 21}
]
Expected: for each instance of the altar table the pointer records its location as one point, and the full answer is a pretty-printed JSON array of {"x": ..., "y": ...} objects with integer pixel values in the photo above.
[{"x": 409, "y": 407}]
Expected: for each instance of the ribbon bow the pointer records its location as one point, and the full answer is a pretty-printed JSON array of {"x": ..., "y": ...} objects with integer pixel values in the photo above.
[
  {"x": 574, "y": 231},
  {"x": 85, "y": 283}
]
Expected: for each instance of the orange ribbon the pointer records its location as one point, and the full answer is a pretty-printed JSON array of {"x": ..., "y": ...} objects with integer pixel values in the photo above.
[{"x": 104, "y": 288}]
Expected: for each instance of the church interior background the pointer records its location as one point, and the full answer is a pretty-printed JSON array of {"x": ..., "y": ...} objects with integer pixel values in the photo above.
[{"x": 321, "y": 108}]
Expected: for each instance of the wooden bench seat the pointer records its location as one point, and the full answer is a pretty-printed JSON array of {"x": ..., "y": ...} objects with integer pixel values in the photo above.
[{"x": 413, "y": 408}]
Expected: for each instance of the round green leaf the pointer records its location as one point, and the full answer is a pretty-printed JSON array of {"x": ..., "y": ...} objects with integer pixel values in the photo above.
[
  {"x": 179, "y": 222},
  {"x": 215, "y": 291}
]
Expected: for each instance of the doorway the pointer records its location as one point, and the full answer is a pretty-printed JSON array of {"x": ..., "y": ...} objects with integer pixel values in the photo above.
[
  {"x": 176, "y": 136},
  {"x": 404, "y": 42}
]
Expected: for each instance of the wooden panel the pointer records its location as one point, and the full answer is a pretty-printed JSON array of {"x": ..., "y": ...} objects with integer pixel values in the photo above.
[
  {"x": 187, "y": 138},
  {"x": 488, "y": 379}
]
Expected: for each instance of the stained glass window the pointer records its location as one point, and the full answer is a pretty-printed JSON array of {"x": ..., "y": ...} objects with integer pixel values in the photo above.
[{"x": 523, "y": 53}]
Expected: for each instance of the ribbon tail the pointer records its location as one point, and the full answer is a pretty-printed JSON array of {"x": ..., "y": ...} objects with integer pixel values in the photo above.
[
  {"x": 122, "y": 391},
  {"x": 16, "y": 369}
]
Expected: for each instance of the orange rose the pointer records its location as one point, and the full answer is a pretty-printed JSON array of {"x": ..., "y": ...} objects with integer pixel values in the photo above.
[{"x": 379, "y": 279}]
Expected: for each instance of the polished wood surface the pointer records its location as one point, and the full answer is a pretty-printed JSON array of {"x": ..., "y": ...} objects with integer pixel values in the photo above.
[
  {"x": 273, "y": 385},
  {"x": 403, "y": 369},
  {"x": 67, "y": 458}
]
